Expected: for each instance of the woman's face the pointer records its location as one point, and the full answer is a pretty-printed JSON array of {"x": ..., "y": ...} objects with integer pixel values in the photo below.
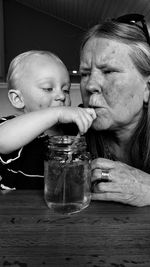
[{"x": 111, "y": 84}]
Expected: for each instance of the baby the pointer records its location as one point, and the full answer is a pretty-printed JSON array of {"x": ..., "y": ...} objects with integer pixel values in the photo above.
[{"x": 38, "y": 86}]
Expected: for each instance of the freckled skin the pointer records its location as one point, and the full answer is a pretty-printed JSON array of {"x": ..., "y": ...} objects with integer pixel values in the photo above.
[
  {"x": 112, "y": 84},
  {"x": 44, "y": 83}
]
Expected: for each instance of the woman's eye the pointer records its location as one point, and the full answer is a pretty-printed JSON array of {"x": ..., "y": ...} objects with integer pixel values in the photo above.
[
  {"x": 107, "y": 71},
  {"x": 110, "y": 71},
  {"x": 84, "y": 74}
]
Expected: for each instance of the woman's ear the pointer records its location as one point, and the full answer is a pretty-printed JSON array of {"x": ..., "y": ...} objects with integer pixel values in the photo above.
[
  {"x": 16, "y": 98},
  {"x": 147, "y": 92}
]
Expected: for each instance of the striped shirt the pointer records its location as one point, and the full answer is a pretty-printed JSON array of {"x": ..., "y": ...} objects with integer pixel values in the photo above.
[{"x": 24, "y": 168}]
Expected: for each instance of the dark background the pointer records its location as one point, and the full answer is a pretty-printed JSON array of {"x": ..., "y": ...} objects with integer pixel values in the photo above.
[
  {"x": 58, "y": 25},
  {"x": 26, "y": 29}
]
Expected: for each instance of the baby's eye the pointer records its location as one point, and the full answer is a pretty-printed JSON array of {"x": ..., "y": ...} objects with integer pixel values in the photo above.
[
  {"x": 66, "y": 91},
  {"x": 48, "y": 89}
]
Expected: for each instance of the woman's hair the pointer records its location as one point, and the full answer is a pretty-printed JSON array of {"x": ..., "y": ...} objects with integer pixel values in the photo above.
[
  {"x": 134, "y": 37},
  {"x": 17, "y": 65}
]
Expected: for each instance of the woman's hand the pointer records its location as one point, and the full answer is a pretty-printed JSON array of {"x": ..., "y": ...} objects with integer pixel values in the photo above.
[{"x": 125, "y": 184}]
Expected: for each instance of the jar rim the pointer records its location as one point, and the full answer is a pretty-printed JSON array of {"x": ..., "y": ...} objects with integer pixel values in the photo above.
[{"x": 66, "y": 141}]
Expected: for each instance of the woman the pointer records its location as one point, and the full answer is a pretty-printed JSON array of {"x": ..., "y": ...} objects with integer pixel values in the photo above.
[{"x": 115, "y": 81}]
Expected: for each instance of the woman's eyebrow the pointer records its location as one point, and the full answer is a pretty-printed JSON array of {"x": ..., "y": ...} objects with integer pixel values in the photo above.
[
  {"x": 84, "y": 68},
  {"x": 107, "y": 65}
]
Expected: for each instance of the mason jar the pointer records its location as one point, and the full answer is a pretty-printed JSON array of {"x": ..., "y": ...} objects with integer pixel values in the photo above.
[{"x": 67, "y": 174}]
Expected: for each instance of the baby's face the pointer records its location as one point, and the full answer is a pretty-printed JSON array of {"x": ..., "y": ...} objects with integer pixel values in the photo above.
[{"x": 45, "y": 83}]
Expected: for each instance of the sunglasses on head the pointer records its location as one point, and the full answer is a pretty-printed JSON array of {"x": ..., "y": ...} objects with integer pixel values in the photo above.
[{"x": 134, "y": 19}]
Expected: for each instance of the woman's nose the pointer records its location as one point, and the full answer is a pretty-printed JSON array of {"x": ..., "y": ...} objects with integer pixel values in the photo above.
[{"x": 93, "y": 85}]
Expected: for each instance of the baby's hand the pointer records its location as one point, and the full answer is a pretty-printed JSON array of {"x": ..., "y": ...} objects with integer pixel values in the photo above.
[{"x": 83, "y": 117}]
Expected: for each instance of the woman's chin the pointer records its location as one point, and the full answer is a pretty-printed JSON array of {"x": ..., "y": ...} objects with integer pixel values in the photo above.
[{"x": 100, "y": 126}]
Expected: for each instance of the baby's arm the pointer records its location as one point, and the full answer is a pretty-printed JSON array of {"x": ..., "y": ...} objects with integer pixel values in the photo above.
[{"x": 22, "y": 129}]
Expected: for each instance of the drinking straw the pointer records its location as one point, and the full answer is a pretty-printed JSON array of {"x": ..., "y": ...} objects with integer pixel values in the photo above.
[
  {"x": 72, "y": 148},
  {"x": 61, "y": 182}
]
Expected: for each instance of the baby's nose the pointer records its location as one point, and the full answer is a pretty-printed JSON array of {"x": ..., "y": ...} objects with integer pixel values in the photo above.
[{"x": 60, "y": 95}]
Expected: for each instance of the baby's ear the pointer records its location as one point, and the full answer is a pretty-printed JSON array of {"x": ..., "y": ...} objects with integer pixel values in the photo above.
[{"x": 16, "y": 98}]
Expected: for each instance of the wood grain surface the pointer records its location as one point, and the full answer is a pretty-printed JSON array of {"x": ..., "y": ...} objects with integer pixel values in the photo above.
[{"x": 105, "y": 234}]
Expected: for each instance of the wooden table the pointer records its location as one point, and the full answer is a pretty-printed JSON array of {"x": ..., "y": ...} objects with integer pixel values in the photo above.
[{"x": 103, "y": 235}]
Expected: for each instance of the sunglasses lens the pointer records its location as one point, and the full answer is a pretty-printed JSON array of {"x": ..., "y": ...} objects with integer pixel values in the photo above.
[{"x": 130, "y": 17}]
